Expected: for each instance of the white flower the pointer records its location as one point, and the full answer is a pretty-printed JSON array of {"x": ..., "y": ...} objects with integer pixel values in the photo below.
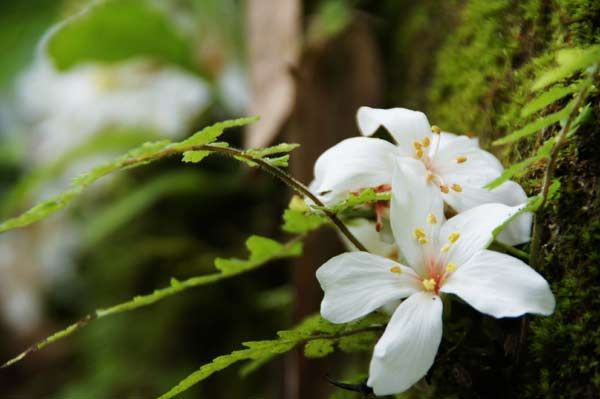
[
  {"x": 441, "y": 257},
  {"x": 66, "y": 108},
  {"x": 455, "y": 165}
]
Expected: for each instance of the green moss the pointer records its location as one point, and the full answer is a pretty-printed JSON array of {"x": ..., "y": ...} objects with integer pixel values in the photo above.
[{"x": 481, "y": 80}]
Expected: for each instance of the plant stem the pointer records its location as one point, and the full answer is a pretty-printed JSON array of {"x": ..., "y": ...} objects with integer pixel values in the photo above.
[
  {"x": 293, "y": 183},
  {"x": 512, "y": 250},
  {"x": 561, "y": 140}
]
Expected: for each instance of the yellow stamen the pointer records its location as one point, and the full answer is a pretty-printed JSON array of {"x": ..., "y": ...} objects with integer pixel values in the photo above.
[
  {"x": 419, "y": 153},
  {"x": 396, "y": 269},
  {"x": 453, "y": 237},
  {"x": 431, "y": 219},
  {"x": 451, "y": 267},
  {"x": 419, "y": 232},
  {"x": 461, "y": 159},
  {"x": 445, "y": 248},
  {"x": 444, "y": 189},
  {"x": 436, "y": 129},
  {"x": 457, "y": 187},
  {"x": 430, "y": 177},
  {"x": 422, "y": 240},
  {"x": 426, "y": 142},
  {"x": 429, "y": 284},
  {"x": 417, "y": 145}
]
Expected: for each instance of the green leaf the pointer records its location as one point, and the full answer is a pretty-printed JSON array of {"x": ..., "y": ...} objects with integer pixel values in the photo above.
[
  {"x": 547, "y": 98},
  {"x": 213, "y": 132},
  {"x": 142, "y": 155},
  {"x": 535, "y": 126},
  {"x": 263, "y": 250},
  {"x": 281, "y": 148},
  {"x": 364, "y": 197},
  {"x": 259, "y": 352},
  {"x": 519, "y": 168},
  {"x": 117, "y": 30},
  {"x": 194, "y": 156},
  {"x": 301, "y": 222},
  {"x": 107, "y": 142},
  {"x": 318, "y": 348},
  {"x": 265, "y": 155},
  {"x": 569, "y": 61},
  {"x": 362, "y": 342},
  {"x": 532, "y": 205}
]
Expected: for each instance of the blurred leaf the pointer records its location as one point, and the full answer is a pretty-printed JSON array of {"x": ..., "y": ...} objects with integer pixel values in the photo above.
[
  {"x": 333, "y": 16},
  {"x": 142, "y": 155},
  {"x": 536, "y": 125},
  {"x": 569, "y": 61},
  {"x": 22, "y": 23},
  {"x": 262, "y": 250},
  {"x": 547, "y": 98},
  {"x": 194, "y": 156},
  {"x": 117, "y": 30},
  {"x": 123, "y": 210},
  {"x": 521, "y": 167},
  {"x": 107, "y": 142}
]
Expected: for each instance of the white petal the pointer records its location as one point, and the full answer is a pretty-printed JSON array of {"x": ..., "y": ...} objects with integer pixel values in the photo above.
[
  {"x": 357, "y": 283},
  {"x": 475, "y": 227},
  {"x": 408, "y": 347},
  {"x": 413, "y": 199},
  {"x": 351, "y": 165},
  {"x": 403, "y": 124},
  {"x": 365, "y": 232},
  {"x": 479, "y": 168},
  {"x": 509, "y": 193},
  {"x": 446, "y": 138},
  {"x": 519, "y": 230},
  {"x": 501, "y": 286}
]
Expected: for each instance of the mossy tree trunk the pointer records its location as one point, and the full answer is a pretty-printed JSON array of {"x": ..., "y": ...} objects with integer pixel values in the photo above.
[{"x": 470, "y": 65}]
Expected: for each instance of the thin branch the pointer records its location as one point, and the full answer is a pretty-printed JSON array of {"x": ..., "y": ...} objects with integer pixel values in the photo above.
[
  {"x": 293, "y": 183},
  {"x": 561, "y": 140}
]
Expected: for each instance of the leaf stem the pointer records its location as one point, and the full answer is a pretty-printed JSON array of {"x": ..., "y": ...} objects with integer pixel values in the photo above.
[{"x": 291, "y": 182}]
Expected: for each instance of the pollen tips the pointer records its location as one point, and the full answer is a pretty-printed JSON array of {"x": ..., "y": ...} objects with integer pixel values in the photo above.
[
  {"x": 419, "y": 153},
  {"x": 431, "y": 219},
  {"x": 436, "y": 129},
  {"x": 457, "y": 187},
  {"x": 426, "y": 141},
  {"x": 417, "y": 145},
  {"x": 453, "y": 237},
  {"x": 444, "y": 189},
  {"x": 429, "y": 284},
  {"x": 423, "y": 240},
  {"x": 430, "y": 177},
  {"x": 461, "y": 159},
  {"x": 451, "y": 267},
  {"x": 445, "y": 248},
  {"x": 396, "y": 269},
  {"x": 419, "y": 232}
]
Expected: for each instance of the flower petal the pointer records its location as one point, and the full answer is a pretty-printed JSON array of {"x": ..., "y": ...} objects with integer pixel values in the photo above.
[
  {"x": 461, "y": 161},
  {"x": 365, "y": 232},
  {"x": 501, "y": 286},
  {"x": 357, "y": 283},
  {"x": 403, "y": 124},
  {"x": 351, "y": 165},
  {"x": 519, "y": 230},
  {"x": 475, "y": 227},
  {"x": 509, "y": 193},
  {"x": 408, "y": 346},
  {"x": 413, "y": 199}
]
